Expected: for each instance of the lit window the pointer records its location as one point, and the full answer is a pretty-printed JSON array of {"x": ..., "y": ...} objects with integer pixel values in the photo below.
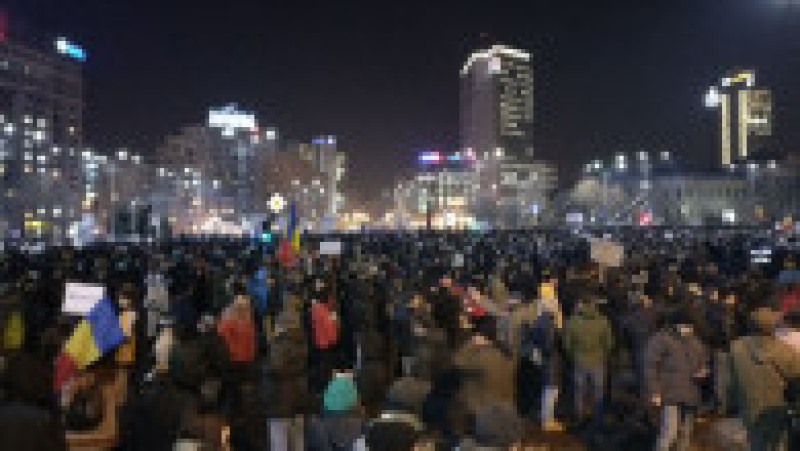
[
  {"x": 27, "y": 168},
  {"x": 42, "y": 170},
  {"x": 2, "y": 169},
  {"x": 56, "y": 150},
  {"x": 71, "y": 130},
  {"x": 28, "y": 214},
  {"x": 41, "y": 122},
  {"x": 41, "y": 211},
  {"x": 42, "y": 158},
  {"x": 9, "y": 129},
  {"x": 38, "y": 135},
  {"x": 28, "y": 156},
  {"x": 27, "y": 119}
]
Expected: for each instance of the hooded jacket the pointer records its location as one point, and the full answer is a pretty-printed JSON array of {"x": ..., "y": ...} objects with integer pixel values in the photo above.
[
  {"x": 671, "y": 363},
  {"x": 587, "y": 337}
]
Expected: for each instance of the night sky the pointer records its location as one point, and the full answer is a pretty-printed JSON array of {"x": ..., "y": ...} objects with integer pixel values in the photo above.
[{"x": 383, "y": 76}]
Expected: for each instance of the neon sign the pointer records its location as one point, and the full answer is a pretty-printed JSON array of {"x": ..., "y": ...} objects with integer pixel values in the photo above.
[{"x": 64, "y": 47}]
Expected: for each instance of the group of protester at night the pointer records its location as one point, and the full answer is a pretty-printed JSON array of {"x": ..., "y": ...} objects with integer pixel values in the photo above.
[{"x": 407, "y": 341}]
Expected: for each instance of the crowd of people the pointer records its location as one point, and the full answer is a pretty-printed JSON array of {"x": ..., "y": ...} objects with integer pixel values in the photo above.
[{"x": 407, "y": 341}]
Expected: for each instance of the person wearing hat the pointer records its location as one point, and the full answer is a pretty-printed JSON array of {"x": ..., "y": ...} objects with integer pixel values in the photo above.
[
  {"x": 675, "y": 363},
  {"x": 761, "y": 367},
  {"x": 340, "y": 426}
]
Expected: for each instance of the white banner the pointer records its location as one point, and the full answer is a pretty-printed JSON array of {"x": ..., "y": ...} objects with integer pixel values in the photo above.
[
  {"x": 79, "y": 298},
  {"x": 330, "y": 248}
]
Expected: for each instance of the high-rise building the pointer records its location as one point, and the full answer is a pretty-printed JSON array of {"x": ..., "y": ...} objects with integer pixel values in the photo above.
[
  {"x": 220, "y": 163},
  {"x": 497, "y": 102},
  {"x": 41, "y": 110},
  {"x": 745, "y": 115}
]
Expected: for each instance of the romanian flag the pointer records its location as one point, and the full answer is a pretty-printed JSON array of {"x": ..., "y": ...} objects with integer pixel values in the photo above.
[
  {"x": 96, "y": 335},
  {"x": 290, "y": 246}
]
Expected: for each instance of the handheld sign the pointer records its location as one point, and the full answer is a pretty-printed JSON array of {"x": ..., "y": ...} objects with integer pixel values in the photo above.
[
  {"x": 330, "y": 248},
  {"x": 79, "y": 298},
  {"x": 607, "y": 253}
]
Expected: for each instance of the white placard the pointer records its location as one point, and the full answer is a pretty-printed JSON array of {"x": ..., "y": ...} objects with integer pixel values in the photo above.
[
  {"x": 79, "y": 298},
  {"x": 330, "y": 248},
  {"x": 458, "y": 260},
  {"x": 607, "y": 253}
]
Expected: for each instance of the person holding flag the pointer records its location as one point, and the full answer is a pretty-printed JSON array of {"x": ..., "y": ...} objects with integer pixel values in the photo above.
[
  {"x": 99, "y": 333},
  {"x": 290, "y": 247}
]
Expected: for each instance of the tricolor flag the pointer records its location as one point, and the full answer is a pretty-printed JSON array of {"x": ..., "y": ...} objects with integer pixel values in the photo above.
[
  {"x": 97, "y": 334},
  {"x": 290, "y": 246}
]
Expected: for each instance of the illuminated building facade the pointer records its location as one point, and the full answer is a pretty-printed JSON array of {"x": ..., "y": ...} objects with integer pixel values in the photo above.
[
  {"x": 41, "y": 111},
  {"x": 745, "y": 115},
  {"x": 496, "y": 107},
  {"x": 219, "y": 163},
  {"x": 653, "y": 191}
]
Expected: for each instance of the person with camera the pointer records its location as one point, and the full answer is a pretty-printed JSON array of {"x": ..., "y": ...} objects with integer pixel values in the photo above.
[{"x": 764, "y": 375}]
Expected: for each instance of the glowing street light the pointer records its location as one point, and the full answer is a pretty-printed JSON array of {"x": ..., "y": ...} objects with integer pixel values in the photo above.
[{"x": 277, "y": 203}]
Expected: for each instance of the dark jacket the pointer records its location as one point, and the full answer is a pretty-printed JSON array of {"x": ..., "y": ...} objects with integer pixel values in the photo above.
[
  {"x": 671, "y": 363},
  {"x": 287, "y": 384},
  {"x": 486, "y": 376},
  {"x": 333, "y": 432},
  {"x": 638, "y": 326},
  {"x": 725, "y": 324},
  {"x": 546, "y": 339},
  {"x": 26, "y": 427}
]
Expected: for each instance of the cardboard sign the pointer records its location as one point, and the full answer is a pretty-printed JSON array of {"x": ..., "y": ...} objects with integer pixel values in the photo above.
[
  {"x": 330, "y": 248},
  {"x": 607, "y": 253},
  {"x": 79, "y": 298}
]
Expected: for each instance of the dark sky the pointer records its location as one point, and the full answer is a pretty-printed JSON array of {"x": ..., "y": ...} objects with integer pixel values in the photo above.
[{"x": 383, "y": 76}]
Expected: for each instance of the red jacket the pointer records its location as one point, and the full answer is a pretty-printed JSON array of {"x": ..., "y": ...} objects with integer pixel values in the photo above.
[
  {"x": 325, "y": 324},
  {"x": 240, "y": 336},
  {"x": 791, "y": 301}
]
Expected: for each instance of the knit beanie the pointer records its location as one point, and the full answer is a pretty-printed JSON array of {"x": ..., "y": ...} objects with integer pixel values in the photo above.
[{"x": 340, "y": 395}]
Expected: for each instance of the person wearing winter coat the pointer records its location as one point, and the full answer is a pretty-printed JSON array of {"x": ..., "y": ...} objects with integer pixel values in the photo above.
[
  {"x": 28, "y": 421},
  {"x": 761, "y": 366},
  {"x": 287, "y": 394},
  {"x": 675, "y": 362},
  {"x": 726, "y": 322},
  {"x": 486, "y": 374},
  {"x": 340, "y": 427},
  {"x": 638, "y": 326},
  {"x": 588, "y": 342},
  {"x": 547, "y": 358}
]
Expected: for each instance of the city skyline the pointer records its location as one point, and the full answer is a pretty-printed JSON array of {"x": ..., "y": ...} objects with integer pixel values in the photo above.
[{"x": 604, "y": 83}]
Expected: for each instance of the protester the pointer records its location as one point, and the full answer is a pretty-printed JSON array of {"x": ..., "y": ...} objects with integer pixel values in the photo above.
[
  {"x": 588, "y": 341},
  {"x": 761, "y": 368},
  {"x": 675, "y": 363}
]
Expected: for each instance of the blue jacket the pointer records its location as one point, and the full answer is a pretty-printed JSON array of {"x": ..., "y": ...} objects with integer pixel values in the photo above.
[{"x": 258, "y": 289}]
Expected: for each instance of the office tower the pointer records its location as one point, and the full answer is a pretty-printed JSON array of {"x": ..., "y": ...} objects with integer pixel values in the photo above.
[
  {"x": 497, "y": 102},
  {"x": 41, "y": 109},
  {"x": 745, "y": 115}
]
